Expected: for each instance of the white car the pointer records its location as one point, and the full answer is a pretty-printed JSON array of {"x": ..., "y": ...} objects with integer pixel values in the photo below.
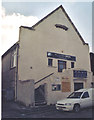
[{"x": 79, "y": 99}]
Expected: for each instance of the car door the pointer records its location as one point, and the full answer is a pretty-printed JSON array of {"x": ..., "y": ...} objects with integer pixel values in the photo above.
[{"x": 85, "y": 100}]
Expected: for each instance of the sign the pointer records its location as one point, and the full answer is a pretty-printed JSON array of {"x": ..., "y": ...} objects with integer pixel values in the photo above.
[
  {"x": 61, "y": 56},
  {"x": 79, "y": 74}
]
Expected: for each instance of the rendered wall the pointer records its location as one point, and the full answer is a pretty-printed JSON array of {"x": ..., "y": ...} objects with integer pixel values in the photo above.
[
  {"x": 25, "y": 92},
  {"x": 53, "y": 96},
  {"x": 34, "y": 46}
]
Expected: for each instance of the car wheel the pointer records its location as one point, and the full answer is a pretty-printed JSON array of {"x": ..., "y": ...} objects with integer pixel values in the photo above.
[{"x": 76, "y": 108}]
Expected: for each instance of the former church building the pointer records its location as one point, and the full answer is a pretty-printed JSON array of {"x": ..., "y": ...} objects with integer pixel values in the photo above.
[{"x": 49, "y": 61}]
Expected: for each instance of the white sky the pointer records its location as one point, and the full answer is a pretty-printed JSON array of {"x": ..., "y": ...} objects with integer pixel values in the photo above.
[{"x": 28, "y": 13}]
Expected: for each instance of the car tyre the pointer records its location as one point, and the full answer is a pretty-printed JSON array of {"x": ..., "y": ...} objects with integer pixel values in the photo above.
[{"x": 76, "y": 108}]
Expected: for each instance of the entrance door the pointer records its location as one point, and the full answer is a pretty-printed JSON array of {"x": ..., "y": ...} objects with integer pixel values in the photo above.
[
  {"x": 61, "y": 65},
  {"x": 86, "y": 100},
  {"x": 78, "y": 86}
]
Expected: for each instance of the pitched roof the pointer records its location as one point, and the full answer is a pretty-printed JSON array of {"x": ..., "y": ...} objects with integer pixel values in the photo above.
[{"x": 32, "y": 28}]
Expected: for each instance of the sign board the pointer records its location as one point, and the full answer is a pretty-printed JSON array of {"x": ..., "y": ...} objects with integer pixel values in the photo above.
[
  {"x": 79, "y": 74},
  {"x": 61, "y": 56}
]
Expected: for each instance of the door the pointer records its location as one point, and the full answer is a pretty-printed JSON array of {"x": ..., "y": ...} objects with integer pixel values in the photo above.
[
  {"x": 61, "y": 65},
  {"x": 78, "y": 86},
  {"x": 86, "y": 100}
]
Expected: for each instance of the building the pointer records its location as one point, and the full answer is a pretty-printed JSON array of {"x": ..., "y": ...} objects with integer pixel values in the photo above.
[{"x": 49, "y": 61}]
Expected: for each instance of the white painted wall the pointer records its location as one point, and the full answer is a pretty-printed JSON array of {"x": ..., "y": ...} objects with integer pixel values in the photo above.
[{"x": 46, "y": 37}]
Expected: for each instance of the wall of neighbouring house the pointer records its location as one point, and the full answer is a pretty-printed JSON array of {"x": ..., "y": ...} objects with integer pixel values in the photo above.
[{"x": 8, "y": 77}]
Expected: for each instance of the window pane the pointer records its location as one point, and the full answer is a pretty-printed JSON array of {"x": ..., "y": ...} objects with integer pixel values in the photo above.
[
  {"x": 13, "y": 59},
  {"x": 85, "y": 95},
  {"x": 61, "y": 65},
  {"x": 72, "y": 64},
  {"x": 50, "y": 62},
  {"x": 56, "y": 87},
  {"x": 75, "y": 95}
]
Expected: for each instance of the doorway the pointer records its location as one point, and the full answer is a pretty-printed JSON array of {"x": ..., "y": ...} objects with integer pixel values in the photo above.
[
  {"x": 40, "y": 95},
  {"x": 78, "y": 86}
]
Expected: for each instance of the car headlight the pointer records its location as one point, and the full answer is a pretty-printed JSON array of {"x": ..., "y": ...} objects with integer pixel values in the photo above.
[{"x": 67, "y": 103}]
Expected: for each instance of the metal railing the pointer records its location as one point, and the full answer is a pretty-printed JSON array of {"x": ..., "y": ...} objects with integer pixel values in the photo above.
[{"x": 44, "y": 78}]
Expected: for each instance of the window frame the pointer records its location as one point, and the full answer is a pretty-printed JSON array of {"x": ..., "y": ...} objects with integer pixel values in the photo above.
[
  {"x": 50, "y": 60},
  {"x": 72, "y": 64},
  {"x": 58, "y": 87},
  {"x": 59, "y": 70},
  {"x": 13, "y": 61}
]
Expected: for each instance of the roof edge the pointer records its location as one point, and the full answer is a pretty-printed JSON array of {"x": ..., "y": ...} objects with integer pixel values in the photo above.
[
  {"x": 73, "y": 25},
  {"x": 13, "y": 46},
  {"x": 68, "y": 19},
  {"x": 47, "y": 16},
  {"x": 32, "y": 28}
]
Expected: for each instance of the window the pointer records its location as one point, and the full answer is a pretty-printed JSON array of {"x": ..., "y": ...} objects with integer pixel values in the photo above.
[
  {"x": 75, "y": 95},
  {"x": 61, "y": 65},
  {"x": 61, "y": 26},
  {"x": 56, "y": 87},
  {"x": 85, "y": 95},
  {"x": 50, "y": 62},
  {"x": 13, "y": 59},
  {"x": 72, "y": 64}
]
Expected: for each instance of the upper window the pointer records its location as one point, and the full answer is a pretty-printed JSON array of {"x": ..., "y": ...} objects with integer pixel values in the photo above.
[
  {"x": 72, "y": 64},
  {"x": 13, "y": 58},
  {"x": 85, "y": 95},
  {"x": 61, "y": 65},
  {"x": 50, "y": 62}
]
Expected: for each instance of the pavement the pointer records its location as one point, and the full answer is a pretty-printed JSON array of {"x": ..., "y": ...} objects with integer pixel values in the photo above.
[{"x": 16, "y": 110}]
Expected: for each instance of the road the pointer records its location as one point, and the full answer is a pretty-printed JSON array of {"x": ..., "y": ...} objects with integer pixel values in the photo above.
[{"x": 14, "y": 110}]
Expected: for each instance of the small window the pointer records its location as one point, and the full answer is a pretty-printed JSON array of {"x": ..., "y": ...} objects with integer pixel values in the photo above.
[
  {"x": 13, "y": 58},
  {"x": 56, "y": 87},
  {"x": 50, "y": 62},
  {"x": 72, "y": 64},
  {"x": 85, "y": 95}
]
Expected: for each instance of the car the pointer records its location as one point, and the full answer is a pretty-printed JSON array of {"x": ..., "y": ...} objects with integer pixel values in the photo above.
[{"x": 78, "y": 99}]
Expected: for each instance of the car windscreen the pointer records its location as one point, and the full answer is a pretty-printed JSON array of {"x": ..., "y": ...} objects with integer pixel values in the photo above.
[{"x": 75, "y": 95}]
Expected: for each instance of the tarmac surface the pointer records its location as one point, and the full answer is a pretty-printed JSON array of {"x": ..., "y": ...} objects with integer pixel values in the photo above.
[{"x": 16, "y": 110}]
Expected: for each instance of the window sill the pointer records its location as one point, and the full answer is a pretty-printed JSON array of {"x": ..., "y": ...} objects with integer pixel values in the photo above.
[{"x": 13, "y": 67}]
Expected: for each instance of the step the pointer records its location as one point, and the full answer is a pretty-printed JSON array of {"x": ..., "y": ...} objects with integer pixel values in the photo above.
[{"x": 37, "y": 103}]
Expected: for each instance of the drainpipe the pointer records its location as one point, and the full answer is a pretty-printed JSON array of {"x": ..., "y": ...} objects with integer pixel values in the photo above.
[{"x": 16, "y": 71}]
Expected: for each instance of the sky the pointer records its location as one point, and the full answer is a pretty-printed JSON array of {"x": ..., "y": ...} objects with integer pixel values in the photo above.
[
  {"x": 14, "y": 14},
  {"x": 93, "y": 27}
]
